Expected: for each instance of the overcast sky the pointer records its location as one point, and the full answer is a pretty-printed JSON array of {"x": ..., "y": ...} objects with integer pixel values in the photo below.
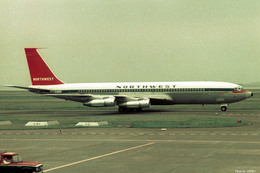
[{"x": 132, "y": 41}]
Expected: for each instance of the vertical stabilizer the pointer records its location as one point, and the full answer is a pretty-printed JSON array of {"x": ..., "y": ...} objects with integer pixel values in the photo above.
[{"x": 39, "y": 70}]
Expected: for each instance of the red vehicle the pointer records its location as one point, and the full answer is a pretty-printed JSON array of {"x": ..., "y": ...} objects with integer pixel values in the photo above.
[{"x": 11, "y": 162}]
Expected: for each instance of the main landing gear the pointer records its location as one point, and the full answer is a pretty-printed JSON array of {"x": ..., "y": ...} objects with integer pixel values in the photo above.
[
  {"x": 121, "y": 110},
  {"x": 223, "y": 107}
]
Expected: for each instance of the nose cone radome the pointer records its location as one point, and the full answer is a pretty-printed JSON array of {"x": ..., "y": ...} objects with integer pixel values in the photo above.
[{"x": 249, "y": 94}]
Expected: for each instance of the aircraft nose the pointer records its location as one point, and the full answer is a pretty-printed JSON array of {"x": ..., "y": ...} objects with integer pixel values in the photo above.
[{"x": 249, "y": 94}]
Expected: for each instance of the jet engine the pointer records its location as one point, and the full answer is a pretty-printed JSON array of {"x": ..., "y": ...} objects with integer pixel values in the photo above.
[
  {"x": 136, "y": 104},
  {"x": 101, "y": 102}
]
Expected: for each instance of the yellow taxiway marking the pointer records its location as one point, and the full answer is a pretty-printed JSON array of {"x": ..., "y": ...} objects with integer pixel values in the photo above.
[{"x": 97, "y": 157}]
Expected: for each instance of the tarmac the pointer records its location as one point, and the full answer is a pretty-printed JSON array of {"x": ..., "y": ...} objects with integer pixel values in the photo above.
[{"x": 229, "y": 149}]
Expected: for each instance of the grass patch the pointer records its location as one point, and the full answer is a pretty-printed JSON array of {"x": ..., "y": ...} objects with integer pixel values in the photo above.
[
  {"x": 182, "y": 122},
  {"x": 131, "y": 121}
]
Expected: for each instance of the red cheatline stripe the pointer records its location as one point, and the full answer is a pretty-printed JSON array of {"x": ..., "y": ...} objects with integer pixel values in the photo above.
[
  {"x": 97, "y": 157},
  {"x": 240, "y": 91}
]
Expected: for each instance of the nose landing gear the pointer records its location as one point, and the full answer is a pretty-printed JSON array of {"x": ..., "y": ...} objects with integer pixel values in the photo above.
[{"x": 223, "y": 107}]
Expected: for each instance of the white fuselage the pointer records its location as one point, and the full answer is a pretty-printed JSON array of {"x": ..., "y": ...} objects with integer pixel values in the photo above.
[{"x": 158, "y": 92}]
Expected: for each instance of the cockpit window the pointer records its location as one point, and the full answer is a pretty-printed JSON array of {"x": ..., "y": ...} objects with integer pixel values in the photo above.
[{"x": 238, "y": 88}]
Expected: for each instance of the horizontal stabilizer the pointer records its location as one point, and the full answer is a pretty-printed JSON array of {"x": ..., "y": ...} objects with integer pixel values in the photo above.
[{"x": 36, "y": 90}]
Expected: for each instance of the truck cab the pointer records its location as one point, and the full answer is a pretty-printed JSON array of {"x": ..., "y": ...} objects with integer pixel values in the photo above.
[{"x": 11, "y": 162}]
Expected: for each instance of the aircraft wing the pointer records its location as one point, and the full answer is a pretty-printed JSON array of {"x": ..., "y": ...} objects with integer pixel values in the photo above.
[
  {"x": 36, "y": 90},
  {"x": 154, "y": 99},
  {"x": 89, "y": 97},
  {"x": 73, "y": 97},
  {"x": 120, "y": 99}
]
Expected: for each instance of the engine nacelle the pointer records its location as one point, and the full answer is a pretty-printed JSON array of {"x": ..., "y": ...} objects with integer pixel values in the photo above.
[
  {"x": 110, "y": 101},
  {"x": 136, "y": 104}
]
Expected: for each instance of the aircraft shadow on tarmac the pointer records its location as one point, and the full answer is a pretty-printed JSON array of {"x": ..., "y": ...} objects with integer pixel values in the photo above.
[{"x": 152, "y": 111}]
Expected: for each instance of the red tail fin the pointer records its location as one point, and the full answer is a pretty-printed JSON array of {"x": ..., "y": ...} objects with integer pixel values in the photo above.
[{"x": 39, "y": 70}]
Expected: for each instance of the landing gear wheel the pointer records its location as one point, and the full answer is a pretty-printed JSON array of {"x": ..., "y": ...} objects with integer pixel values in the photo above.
[
  {"x": 223, "y": 108},
  {"x": 121, "y": 110},
  {"x": 129, "y": 110},
  {"x": 139, "y": 110}
]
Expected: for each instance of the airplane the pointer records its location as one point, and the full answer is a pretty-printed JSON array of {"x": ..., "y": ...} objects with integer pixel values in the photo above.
[{"x": 132, "y": 96}]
